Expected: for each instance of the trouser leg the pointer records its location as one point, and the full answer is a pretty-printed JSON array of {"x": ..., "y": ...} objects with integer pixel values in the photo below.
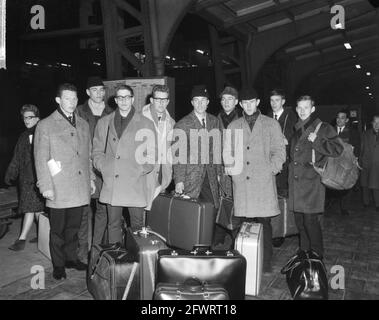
[
  {"x": 73, "y": 221},
  {"x": 57, "y": 219},
  {"x": 313, "y": 230},
  {"x": 366, "y": 196},
  {"x": 114, "y": 224},
  {"x": 267, "y": 241},
  {"x": 100, "y": 222},
  {"x": 137, "y": 217},
  {"x": 376, "y": 197},
  {"x": 303, "y": 237},
  {"x": 83, "y": 233}
]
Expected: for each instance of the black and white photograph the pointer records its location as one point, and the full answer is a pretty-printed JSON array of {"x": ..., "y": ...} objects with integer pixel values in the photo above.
[{"x": 213, "y": 152}]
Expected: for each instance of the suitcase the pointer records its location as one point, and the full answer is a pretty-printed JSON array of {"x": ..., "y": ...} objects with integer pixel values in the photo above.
[
  {"x": 44, "y": 235},
  {"x": 113, "y": 274},
  {"x": 249, "y": 242},
  {"x": 283, "y": 225},
  {"x": 183, "y": 222},
  {"x": 224, "y": 268},
  {"x": 145, "y": 244},
  {"x": 191, "y": 289}
]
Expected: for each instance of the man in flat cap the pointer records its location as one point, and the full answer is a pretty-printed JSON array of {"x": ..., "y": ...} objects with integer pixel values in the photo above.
[
  {"x": 264, "y": 152},
  {"x": 91, "y": 111},
  {"x": 199, "y": 180}
]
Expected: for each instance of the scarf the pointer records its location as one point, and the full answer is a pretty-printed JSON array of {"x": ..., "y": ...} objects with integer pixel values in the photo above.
[
  {"x": 120, "y": 122},
  {"x": 251, "y": 119},
  {"x": 228, "y": 118}
]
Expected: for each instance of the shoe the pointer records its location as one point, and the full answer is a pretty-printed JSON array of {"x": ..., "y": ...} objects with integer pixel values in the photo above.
[
  {"x": 18, "y": 245},
  {"x": 34, "y": 240},
  {"x": 59, "y": 273},
  {"x": 77, "y": 265},
  {"x": 345, "y": 212}
]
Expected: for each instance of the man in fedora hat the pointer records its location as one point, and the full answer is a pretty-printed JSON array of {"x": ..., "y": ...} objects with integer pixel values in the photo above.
[{"x": 91, "y": 111}]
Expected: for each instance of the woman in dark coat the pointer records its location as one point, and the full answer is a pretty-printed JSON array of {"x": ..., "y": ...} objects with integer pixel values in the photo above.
[
  {"x": 306, "y": 192},
  {"x": 22, "y": 168}
]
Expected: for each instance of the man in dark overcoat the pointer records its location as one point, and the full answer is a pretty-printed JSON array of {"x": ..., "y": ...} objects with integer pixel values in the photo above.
[
  {"x": 91, "y": 111},
  {"x": 369, "y": 160},
  {"x": 306, "y": 192}
]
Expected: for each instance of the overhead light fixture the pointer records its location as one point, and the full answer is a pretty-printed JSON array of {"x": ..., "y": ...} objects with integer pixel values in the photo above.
[
  {"x": 358, "y": 66},
  {"x": 368, "y": 73},
  {"x": 370, "y": 94},
  {"x": 347, "y": 45},
  {"x": 367, "y": 87},
  {"x": 200, "y": 51}
]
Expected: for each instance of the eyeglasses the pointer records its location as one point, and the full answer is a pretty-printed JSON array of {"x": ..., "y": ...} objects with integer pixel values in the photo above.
[
  {"x": 29, "y": 117},
  {"x": 161, "y": 100},
  {"x": 124, "y": 97}
]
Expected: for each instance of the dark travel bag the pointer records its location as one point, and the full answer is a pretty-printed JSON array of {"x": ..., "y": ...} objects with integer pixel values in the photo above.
[
  {"x": 145, "y": 244},
  {"x": 183, "y": 222},
  {"x": 306, "y": 276},
  {"x": 191, "y": 289},
  {"x": 224, "y": 268},
  {"x": 113, "y": 274}
]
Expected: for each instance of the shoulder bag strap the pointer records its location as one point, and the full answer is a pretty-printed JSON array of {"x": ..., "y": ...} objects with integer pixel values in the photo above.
[{"x": 313, "y": 150}]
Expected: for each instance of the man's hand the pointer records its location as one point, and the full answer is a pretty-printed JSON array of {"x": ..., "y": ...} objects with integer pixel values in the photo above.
[
  {"x": 49, "y": 194},
  {"x": 179, "y": 187},
  {"x": 312, "y": 137},
  {"x": 93, "y": 187}
]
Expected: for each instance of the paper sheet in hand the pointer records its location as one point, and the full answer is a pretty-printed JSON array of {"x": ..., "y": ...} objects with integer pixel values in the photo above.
[{"x": 54, "y": 167}]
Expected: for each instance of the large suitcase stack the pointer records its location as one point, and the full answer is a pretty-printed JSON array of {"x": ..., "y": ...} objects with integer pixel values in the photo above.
[
  {"x": 224, "y": 269},
  {"x": 183, "y": 222},
  {"x": 145, "y": 244},
  {"x": 249, "y": 243},
  {"x": 113, "y": 274}
]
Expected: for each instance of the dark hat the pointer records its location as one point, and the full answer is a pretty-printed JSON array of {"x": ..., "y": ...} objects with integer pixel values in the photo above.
[
  {"x": 248, "y": 94},
  {"x": 94, "y": 82},
  {"x": 199, "y": 91},
  {"x": 229, "y": 90}
]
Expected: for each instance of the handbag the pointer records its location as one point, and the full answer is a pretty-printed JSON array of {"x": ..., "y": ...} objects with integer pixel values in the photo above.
[
  {"x": 225, "y": 214},
  {"x": 190, "y": 289},
  {"x": 306, "y": 276}
]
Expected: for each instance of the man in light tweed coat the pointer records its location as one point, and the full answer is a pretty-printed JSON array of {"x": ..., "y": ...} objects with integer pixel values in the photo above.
[{"x": 65, "y": 177}]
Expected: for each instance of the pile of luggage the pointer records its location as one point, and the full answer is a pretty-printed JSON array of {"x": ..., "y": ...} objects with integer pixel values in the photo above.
[{"x": 168, "y": 261}]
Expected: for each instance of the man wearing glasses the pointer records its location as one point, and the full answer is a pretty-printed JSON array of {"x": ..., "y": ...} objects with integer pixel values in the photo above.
[
  {"x": 160, "y": 178},
  {"x": 114, "y": 156},
  {"x": 91, "y": 111}
]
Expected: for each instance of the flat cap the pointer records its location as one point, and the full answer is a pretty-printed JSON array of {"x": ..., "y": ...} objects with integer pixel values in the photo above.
[
  {"x": 229, "y": 90},
  {"x": 94, "y": 82},
  {"x": 248, "y": 94},
  {"x": 199, "y": 91}
]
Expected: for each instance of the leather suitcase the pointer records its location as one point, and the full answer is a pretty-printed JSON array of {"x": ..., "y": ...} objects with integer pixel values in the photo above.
[
  {"x": 113, "y": 274},
  {"x": 283, "y": 225},
  {"x": 44, "y": 235},
  {"x": 145, "y": 245},
  {"x": 224, "y": 268},
  {"x": 191, "y": 289},
  {"x": 249, "y": 242},
  {"x": 183, "y": 222}
]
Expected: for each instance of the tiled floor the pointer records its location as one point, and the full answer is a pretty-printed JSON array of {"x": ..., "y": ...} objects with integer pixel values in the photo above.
[{"x": 351, "y": 242}]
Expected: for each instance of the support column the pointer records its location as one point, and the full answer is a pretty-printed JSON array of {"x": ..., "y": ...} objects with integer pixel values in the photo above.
[
  {"x": 217, "y": 59},
  {"x": 110, "y": 23}
]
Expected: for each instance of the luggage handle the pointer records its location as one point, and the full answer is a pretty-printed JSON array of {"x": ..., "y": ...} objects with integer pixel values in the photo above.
[
  {"x": 192, "y": 284},
  {"x": 130, "y": 281},
  {"x": 145, "y": 231},
  {"x": 116, "y": 246}
]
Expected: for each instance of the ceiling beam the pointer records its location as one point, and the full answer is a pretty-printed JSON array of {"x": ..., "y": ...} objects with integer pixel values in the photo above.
[
  {"x": 125, "y": 6},
  {"x": 130, "y": 32},
  {"x": 264, "y": 12},
  {"x": 205, "y": 4},
  {"x": 63, "y": 33}
]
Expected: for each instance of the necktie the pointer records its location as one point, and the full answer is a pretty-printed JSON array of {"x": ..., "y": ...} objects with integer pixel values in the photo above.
[
  {"x": 70, "y": 119},
  {"x": 339, "y": 131},
  {"x": 203, "y": 122},
  {"x": 276, "y": 117},
  {"x": 159, "y": 119}
]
